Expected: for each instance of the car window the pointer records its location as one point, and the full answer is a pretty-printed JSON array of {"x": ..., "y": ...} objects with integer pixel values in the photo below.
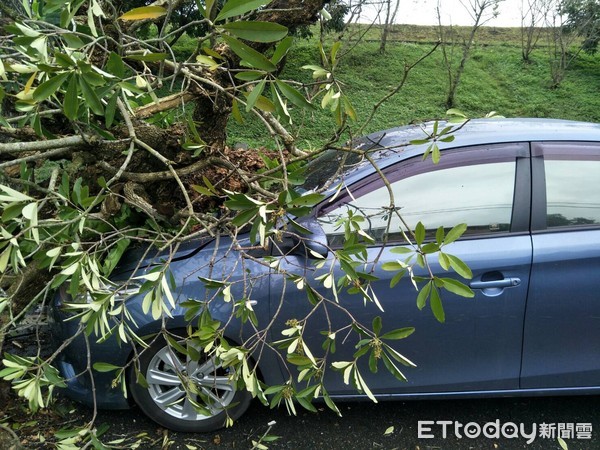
[
  {"x": 458, "y": 190},
  {"x": 572, "y": 190}
]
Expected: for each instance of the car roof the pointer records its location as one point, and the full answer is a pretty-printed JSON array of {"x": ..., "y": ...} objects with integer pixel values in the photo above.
[
  {"x": 390, "y": 146},
  {"x": 487, "y": 131},
  {"x": 393, "y": 145}
]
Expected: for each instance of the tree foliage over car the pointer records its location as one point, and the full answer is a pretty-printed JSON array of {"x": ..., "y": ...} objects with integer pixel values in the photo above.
[
  {"x": 110, "y": 139},
  {"x": 584, "y": 20}
]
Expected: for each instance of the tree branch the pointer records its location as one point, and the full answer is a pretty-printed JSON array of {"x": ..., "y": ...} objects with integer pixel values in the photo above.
[
  {"x": 164, "y": 104},
  {"x": 69, "y": 141}
]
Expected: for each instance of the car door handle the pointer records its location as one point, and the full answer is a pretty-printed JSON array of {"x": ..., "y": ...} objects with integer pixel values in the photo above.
[{"x": 503, "y": 283}]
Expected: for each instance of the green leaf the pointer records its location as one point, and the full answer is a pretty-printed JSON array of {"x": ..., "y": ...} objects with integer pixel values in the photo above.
[
  {"x": 392, "y": 266},
  {"x": 293, "y": 95},
  {"x": 423, "y": 294},
  {"x": 562, "y": 443},
  {"x": 72, "y": 40},
  {"x": 254, "y": 94},
  {"x": 455, "y": 233},
  {"x": 377, "y": 325},
  {"x": 400, "y": 333},
  {"x": 330, "y": 404},
  {"x": 298, "y": 360},
  {"x": 460, "y": 267},
  {"x": 244, "y": 217},
  {"x": 456, "y": 112},
  {"x": 444, "y": 260},
  {"x": 111, "y": 108},
  {"x": 238, "y": 7},
  {"x": 420, "y": 233},
  {"x": 239, "y": 202},
  {"x": 401, "y": 250},
  {"x": 145, "y": 12},
  {"x": 419, "y": 141},
  {"x": 264, "y": 104},
  {"x": 11, "y": 211},
  {"x": 391, "y": 367},
  {"x": 256, "y": 31},
  {"x": 249, "y": 75},
  {"x": 439, "y": 235},
  {"x": 307, "y": 200},
  {"x": 114, "y": 256},
  {"x": 115, "y": 65},
  {"x": 430, "y": 247},
  {"x": 207, "y": 10},
  {"x": 104, "y": 367},
  {"x": 70, "y": 102},
  {"x": 457, "y": 287},
  {"x": 281, "y": 50},
  {"x": 91, "y": 97},
  {"x": 49, "y": 87},
  {"x": 306, "y": 404},
  {"x": 348, "y": 108},
  {"x": 235, "y": 111},
  {"x": 372, "y": 362},
  {"x": 435, "y": 302},
  {"x": 396, "y": 279},
  {"x": 435, "y": 154},
  {"x": 249, "y": 55}
]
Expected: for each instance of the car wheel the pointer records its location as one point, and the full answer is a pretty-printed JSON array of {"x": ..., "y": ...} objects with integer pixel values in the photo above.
[{"x": 165, "y": 400}]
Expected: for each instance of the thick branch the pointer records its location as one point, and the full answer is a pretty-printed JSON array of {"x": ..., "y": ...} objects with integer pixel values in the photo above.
[
  {"x": 69, "y": 141},
  {"x": 164, "y": 104},
  {"x": 37, "y": 156},
  {"x": 167, "y": 174}
]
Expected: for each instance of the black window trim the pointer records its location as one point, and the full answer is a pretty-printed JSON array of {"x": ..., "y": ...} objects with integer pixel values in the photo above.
[
  {"x": 522, "y": 195},
  {"x": 539, "y": 203}
]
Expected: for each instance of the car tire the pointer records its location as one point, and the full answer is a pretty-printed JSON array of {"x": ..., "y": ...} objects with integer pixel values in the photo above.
[{"x": 164, "y": 400}]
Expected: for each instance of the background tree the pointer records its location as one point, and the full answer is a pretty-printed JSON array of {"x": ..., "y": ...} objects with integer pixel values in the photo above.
[
  {"x": 533, "y": 18},
  {"x": 481, "y": 12},
  {"x": 583, "y": 19},
  {"x": 391, "y": 10},
  {"x": 564, "y": 35}
]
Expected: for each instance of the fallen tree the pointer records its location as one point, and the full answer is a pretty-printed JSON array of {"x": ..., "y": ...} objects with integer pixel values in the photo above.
[{"x": 109, "y": 139}]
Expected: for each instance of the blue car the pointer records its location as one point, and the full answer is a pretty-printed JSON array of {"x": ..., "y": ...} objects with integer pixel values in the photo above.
[{"x": 529, "y": 190}]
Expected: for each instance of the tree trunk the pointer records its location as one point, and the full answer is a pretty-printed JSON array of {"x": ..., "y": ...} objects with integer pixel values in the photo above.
[{"x": 389, "y": 21}]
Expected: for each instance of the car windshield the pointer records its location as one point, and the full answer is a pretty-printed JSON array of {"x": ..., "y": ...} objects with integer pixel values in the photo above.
[{"x": 322, "y": 169}]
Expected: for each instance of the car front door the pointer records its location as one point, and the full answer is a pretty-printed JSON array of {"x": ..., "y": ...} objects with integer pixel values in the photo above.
[
  {"x": 479, "y": 345},
  {"x": 562, "y": 326}
]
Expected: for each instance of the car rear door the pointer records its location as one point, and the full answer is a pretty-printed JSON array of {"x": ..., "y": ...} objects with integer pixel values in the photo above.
[
  {"x": 479, "y": 345},
  {"x": 562, "y": 325}
]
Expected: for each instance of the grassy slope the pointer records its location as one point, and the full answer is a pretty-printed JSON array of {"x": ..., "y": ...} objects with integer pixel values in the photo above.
[{"x": 495, "y": 79}]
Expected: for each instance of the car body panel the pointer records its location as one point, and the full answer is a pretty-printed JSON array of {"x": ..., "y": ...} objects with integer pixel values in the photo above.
[
  {"x": 477, "y": 348},
  {"x": 562, "y": 326}
]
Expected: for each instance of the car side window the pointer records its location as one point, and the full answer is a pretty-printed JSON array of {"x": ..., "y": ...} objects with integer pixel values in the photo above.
[
  {"x": 572, "y": 186},
  {"x": 471, "y": 186}
]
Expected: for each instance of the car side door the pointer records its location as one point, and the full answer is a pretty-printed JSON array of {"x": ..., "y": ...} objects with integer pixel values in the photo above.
[
  {"x": 562, "y": 322},
  {"x": 479, "y": 345}
]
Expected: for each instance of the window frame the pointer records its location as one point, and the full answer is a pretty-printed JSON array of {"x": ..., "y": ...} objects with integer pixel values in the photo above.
[
  {"x": 456, "y": 157},
  {"x": 565, "y": 150}
]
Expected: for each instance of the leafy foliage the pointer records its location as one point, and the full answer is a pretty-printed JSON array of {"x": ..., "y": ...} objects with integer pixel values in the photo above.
[
  {"x": 83, "y": 84},
  {"x": 583, "y": 19}
]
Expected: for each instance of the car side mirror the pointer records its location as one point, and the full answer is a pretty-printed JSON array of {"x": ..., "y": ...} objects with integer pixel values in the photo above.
[{"x": 314, "y": 242}]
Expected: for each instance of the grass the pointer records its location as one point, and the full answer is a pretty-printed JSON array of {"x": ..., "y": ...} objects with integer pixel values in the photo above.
[{"x": 495, "y": 79}]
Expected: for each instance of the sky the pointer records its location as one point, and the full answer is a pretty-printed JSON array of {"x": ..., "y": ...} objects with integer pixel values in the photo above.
[{"x": 422, "y": 12}]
